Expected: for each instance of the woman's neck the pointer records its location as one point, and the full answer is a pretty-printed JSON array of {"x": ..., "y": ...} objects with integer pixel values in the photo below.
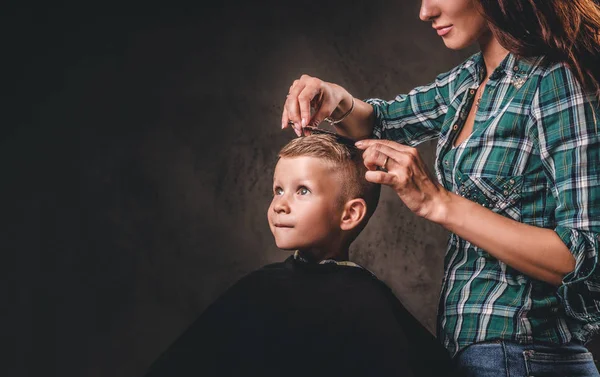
[{"x": 493, "y": 53}]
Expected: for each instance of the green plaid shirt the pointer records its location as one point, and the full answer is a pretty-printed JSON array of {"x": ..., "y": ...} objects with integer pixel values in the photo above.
[{"x": 534, "y": 157}]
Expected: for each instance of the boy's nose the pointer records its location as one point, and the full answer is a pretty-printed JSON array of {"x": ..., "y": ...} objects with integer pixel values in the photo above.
[{"x": 281, "y": 205}]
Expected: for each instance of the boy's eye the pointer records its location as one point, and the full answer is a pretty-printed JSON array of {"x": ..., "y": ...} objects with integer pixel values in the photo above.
[
  {"x": 303, "y": 191},
  {"x": 278, "y": 191}
]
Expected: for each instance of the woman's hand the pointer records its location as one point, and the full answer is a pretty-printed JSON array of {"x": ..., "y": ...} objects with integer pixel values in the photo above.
[
  {"x": 327, "y": 99},
  {"x": 405, "y": 172}
]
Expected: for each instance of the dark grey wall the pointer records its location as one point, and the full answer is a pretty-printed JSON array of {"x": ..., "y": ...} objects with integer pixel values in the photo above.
[{"x": 137, "y": 154}]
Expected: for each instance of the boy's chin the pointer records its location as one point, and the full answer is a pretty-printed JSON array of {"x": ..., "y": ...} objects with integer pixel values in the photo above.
[
  {"x": 292, "y": 246},
  {"x": 288, "y": 246}
]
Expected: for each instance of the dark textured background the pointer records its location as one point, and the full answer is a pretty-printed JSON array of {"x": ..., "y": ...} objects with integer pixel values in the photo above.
[{"x": 137, "y": 152}]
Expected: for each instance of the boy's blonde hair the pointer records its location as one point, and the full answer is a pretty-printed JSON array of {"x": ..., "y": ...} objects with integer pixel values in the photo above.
[{"x": 342, "y": 153}]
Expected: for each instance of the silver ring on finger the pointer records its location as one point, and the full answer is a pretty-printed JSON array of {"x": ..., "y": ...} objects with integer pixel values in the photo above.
[{"x": 384, "y": 166}]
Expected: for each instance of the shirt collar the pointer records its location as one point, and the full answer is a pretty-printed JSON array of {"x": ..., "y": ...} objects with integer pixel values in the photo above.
[
  {"x": 300, "y": 258},
  {"x": 511, "y": 66}
]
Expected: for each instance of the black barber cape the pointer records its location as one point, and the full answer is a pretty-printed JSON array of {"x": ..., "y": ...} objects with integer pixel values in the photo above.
[{"x": 299, "y": 319}]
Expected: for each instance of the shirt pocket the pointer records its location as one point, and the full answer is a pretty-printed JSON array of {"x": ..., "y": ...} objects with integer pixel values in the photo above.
[{"x": 501, "y": 194}]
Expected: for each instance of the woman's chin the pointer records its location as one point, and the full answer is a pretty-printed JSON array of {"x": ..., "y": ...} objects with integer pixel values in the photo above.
[
  {"x": 458, "y": 42},
  {"x": 453, "y": 44}
]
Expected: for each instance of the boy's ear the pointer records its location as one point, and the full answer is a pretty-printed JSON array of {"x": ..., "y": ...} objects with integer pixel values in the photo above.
[{"x": 354, "y": 212}]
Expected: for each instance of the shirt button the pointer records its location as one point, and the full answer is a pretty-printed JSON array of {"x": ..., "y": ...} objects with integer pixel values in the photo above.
[
  {"x": 446, "y": 162},
  {"x": 505, "y": 192},
  {"x": 516, "y": 68},
  {"x": 455, "y": 127},
  {"x": 472, "y": 91},
  {"x": 512, "y": 181}
]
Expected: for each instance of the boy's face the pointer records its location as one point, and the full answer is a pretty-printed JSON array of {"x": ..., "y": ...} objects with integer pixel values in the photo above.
[{"x": 306, "y": 210}]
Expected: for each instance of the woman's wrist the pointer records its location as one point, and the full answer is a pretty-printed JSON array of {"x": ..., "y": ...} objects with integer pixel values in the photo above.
[
  {"x": 343, "y": 106},
  {"x": 444, "y": 209},
  {"x": 333, "y": 121}
]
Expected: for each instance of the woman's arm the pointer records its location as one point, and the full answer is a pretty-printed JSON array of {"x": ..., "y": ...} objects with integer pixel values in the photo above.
[
  {"x": 328, "y": 100},
  {"x": 359, "y": 123},
  {"x": 566, "y": 135},
  {"x": 408, "y": 119},
  {"x": 536, "y": 252}
]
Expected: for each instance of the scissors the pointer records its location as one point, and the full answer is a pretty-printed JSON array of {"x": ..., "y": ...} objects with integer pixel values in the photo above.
[{"x": 311, "y": 130}]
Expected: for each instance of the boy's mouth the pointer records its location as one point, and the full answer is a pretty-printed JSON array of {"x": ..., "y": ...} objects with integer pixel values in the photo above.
[{"x": 279, "y": 225}]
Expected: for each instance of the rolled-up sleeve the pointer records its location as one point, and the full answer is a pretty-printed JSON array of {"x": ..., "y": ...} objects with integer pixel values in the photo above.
[
  {"x": 417, "y": 116},
  {"x": 569, "y": 144}
]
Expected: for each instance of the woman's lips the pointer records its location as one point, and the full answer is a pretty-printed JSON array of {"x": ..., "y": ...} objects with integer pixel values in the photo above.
[{"x": 444, "y": 30}]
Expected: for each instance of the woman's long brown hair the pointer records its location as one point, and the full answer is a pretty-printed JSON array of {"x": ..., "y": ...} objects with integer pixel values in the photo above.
[{"x": 562, "y": 30}]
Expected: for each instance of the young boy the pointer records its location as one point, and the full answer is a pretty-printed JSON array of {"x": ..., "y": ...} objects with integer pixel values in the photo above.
[{"x": 316, "y": 313}]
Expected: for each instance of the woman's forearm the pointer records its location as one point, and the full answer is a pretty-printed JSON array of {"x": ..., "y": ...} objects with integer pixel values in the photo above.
[
  {"x": 534, "y": 251},
  {"x": 358, "y": 125}
]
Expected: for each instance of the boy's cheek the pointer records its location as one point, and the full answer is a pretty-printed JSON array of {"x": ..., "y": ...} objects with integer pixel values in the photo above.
[{"x": 269, "y": 215}]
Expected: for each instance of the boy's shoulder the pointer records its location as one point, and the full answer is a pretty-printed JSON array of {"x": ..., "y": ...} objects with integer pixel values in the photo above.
[
  {"x": 276, "y": 265},
  {"x": 264, "y": 271}
]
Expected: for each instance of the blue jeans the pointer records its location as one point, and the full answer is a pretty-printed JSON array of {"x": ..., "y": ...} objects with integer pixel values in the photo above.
[{"x": 507, "y": 359}]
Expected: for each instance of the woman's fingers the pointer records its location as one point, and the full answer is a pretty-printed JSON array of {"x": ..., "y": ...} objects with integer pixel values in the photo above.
[
  {"x": 374, "y": 159},
  {"x": 402, "y": 165},
  {"x": 297, "y": 104},
  {"x": 364, "y": 144},
  {"x": 306, "y": 94},
  {"x": 305, "y": 98},
  {"x": 380, "y": 177},
  {"x": 285, "y": 119},
  {"x": 380, "y": 155},
  {"x": 406, "y": 174},
  {"x": 327, "y": 105},
  {"x": 292, "y": 108}
]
